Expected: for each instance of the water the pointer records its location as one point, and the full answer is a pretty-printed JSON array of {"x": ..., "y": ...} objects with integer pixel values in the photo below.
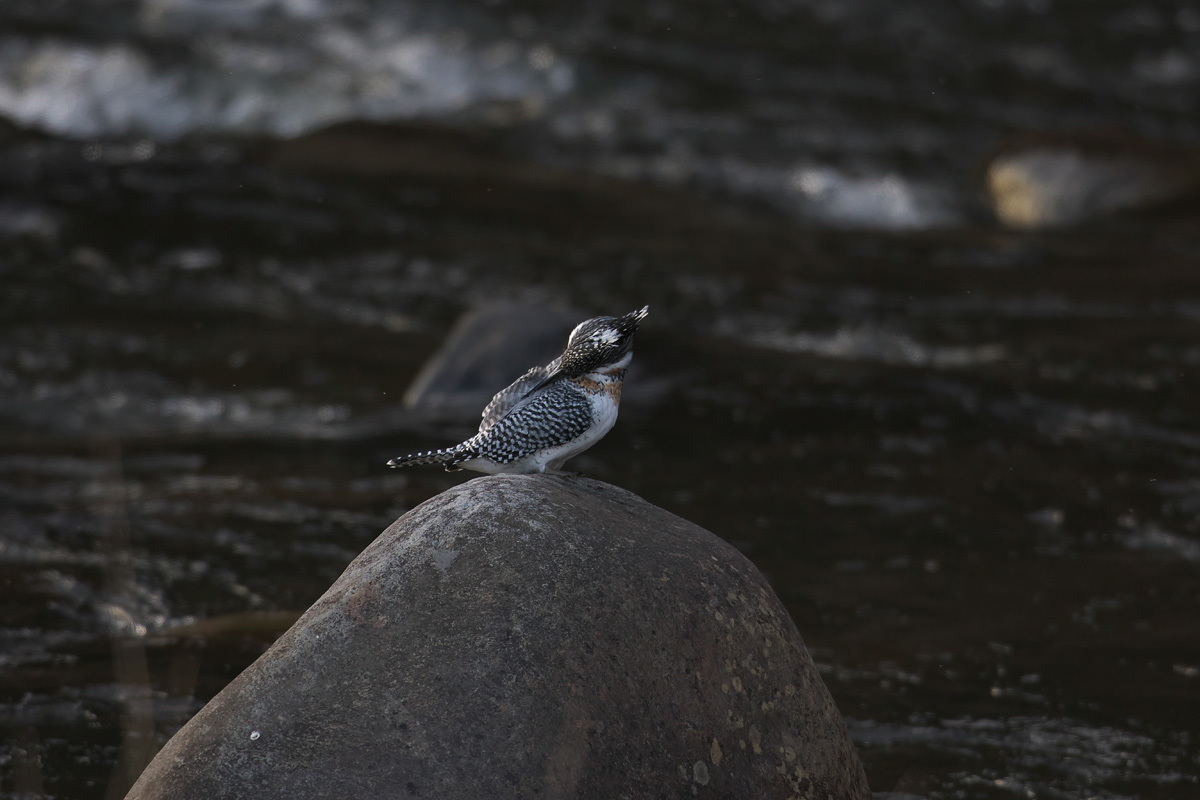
[{"x": 967, "y": 457}]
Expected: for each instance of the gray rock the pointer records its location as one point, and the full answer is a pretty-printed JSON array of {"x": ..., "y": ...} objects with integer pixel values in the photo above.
[
  {"x": 487, "y": 350},
  {"x": 522, "y": 636}
]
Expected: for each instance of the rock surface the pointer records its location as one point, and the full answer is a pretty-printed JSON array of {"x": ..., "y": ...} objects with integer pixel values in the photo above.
[
  {"x": 527, "y": 636},
  {"x": 1040, "y": 184},
  {"x": 487, "y": 350}
]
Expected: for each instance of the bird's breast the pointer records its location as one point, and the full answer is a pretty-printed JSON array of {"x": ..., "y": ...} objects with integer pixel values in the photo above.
[{"x": 606, "y": 386}]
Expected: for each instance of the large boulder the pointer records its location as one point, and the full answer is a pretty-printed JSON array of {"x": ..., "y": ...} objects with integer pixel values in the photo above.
[{"x": 526, "y": 636}]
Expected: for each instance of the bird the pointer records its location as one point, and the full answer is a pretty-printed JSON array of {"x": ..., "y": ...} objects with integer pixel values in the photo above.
[{"x": 553, "y": 412}]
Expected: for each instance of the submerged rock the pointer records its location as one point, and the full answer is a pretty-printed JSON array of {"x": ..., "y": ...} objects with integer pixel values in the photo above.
[
  {"x": 1039, "y": 184},
  {"x": 488, "y": 349},
  {"x": 521, "y": 636}
]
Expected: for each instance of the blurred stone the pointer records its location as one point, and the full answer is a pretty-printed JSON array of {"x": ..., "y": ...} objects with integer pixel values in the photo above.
[
  {"x": 487, "y": 350},
  {"x": 519, "y": 636},
  {"x": 1053, "y": 183}
]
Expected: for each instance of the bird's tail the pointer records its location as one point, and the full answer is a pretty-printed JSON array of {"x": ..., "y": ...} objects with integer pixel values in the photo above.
[{"x": 450, "y": 456}]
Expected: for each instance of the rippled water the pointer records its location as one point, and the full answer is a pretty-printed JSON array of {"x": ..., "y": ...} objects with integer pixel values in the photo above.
[{"x": 968, "y": 457}]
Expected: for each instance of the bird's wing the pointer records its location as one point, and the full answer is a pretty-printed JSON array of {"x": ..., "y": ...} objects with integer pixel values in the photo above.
[
  {"x": 507, "y": 398},
  {"x": 542, "y": 420}
]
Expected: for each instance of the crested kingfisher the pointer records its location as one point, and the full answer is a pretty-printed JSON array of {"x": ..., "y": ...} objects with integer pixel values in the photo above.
[{"x": 550, "y": 413}]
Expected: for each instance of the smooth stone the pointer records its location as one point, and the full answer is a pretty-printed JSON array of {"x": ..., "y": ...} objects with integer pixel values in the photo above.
[
  {"x": 488, "y": 349},
  {"x": 1050, "y": 183},
  {"x": 521, "y": 636}
]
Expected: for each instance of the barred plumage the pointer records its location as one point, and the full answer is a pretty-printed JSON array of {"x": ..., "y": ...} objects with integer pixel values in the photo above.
[
  {"x": 550, "y": 413},
  {"x": 428, "y": 457}
]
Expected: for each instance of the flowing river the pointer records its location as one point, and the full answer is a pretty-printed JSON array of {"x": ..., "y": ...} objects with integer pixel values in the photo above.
[{"x": 924, "y": 342}]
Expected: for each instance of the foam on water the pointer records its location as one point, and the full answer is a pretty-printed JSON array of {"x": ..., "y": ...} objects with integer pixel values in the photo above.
[
  {"x": 870, "y": 343},
  {"x": 227, "y": 76},
  {"x": 1152, "y": 537},
  {"x": 1052, "y": 757},
  {"x": 887, "y": 200}
]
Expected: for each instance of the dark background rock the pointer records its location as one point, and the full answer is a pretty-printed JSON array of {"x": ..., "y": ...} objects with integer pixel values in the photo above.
[
  {"x": 487, "y": 350},
  {"x": 1046, "y": 181},
  {"x": 522, "y": 636}
]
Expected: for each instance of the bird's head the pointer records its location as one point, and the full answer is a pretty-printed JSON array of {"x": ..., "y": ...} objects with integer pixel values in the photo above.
[{"x": 601, "y": 343}]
